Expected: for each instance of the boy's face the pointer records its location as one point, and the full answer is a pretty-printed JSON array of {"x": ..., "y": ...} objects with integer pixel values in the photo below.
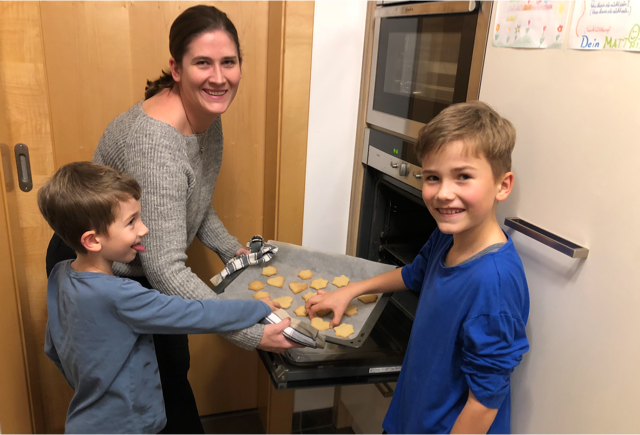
[
  {"x": 125, "y": 234},
  {"x": 459, "y": 188}
]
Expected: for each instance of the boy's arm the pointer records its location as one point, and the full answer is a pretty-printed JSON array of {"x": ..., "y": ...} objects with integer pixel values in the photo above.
[
  {"x": 474, "y": 418},
  {"x": 338, "y": 300},
  {"x": 150, "y": 312},
  {"x": 52, "y": 353}
]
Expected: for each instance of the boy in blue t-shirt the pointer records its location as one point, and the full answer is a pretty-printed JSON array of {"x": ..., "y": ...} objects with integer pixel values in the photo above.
[
  {"x": 469, "y": 331},
  {"x": 99, "y": 331}
]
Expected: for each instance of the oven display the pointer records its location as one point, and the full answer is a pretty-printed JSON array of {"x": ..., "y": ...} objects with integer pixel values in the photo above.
[{"x": 394, "y": 146}]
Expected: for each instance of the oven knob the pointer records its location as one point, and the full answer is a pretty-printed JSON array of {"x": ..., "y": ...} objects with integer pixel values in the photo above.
[
  {"x": 404, "y": 170},
  {"x": 393, "y": 165}
]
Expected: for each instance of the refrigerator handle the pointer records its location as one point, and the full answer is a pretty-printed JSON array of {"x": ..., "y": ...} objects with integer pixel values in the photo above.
[{"x": 547, "y": 238}]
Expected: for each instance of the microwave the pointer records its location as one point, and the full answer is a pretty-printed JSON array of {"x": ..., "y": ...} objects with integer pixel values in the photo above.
[{"x": 426, "y": 56}]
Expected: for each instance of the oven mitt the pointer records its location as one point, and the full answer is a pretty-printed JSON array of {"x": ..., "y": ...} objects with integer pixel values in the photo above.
[
  {"x": 261, "y": 252},
  {"x": 298, "y": 332}
]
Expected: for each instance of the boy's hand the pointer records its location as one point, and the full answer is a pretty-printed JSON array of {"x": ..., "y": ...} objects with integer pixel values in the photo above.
[
  {"x": 273, "y": 305},
  {"x": 336, "y": 301},
  {"x": 273, "y": 340}
]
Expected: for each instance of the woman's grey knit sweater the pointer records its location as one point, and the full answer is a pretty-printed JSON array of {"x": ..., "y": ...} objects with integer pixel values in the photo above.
[{"x": 177, "y": 175}]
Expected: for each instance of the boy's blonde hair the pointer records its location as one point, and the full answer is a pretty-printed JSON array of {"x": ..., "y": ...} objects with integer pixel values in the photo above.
[
  {"x": 477, "y": 125},
  {"x": 84, "y": 196}
]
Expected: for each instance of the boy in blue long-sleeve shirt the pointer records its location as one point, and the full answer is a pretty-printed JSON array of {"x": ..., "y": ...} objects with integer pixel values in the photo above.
[
  {"x": 469, "y": 331},
  {"x": 99, "y": 331}
]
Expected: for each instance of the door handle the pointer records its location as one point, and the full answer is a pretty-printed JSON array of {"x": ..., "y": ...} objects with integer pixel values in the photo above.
[{"x": 23, "y": 165}]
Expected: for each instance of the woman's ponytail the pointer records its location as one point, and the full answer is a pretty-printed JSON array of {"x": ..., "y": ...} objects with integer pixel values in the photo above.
[{"x": 163, "y": 82}]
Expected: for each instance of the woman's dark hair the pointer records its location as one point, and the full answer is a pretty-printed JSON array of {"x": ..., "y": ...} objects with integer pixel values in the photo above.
[{"x": 190, "y": 24}]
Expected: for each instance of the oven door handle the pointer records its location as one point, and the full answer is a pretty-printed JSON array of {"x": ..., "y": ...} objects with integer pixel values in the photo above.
[{"x": 385, "y": 389}]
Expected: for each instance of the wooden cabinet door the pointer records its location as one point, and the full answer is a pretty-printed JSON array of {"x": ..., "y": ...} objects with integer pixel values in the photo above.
[{"x": 68, "y": 69}]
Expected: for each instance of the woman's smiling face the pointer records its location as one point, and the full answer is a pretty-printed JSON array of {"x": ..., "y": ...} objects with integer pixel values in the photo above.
[{"x": 210, "y": 73}]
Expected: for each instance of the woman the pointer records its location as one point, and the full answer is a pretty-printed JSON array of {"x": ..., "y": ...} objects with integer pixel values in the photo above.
[{"x": 171, "y": 143}]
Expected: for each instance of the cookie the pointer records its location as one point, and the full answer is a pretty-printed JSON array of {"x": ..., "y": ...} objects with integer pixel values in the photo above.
[
  {"x": 276, "y": 281},
  {"x": 308, "y": 295},
  {"x": 305, "y": 274},
  {"x": 344, "y": 330},
  {"x": 285, "y": 301},
  {"x": 351, "y": 310},
  {"x": 319, "y": 283},
  {"x": 340, "y": 281},
  {"x": 261, "y": 295},
  {"x": 269, "y": 270},
  {"x": 322, "y": 313},
  {"x": 367, "y": 299},
  {"x": 256, "y": 285},
  {"x": 297, "y": 287},
  {"x": 319, "y": 324},
  {"x": 301, "y": 311}
]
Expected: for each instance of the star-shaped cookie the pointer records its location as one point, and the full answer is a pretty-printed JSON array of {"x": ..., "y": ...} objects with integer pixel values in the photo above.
[
  {"x": 300, "y": 311},
  {"x": 305, "y": 274},
  {"x": 308, "y": 295},
  {"x": 256, "y": 285},
  {"x": 344, "y": 330},
  {"x": 367, "y": 299},
  {"x": 340, "y": 281},
  {"x": 319, "y": 283}
]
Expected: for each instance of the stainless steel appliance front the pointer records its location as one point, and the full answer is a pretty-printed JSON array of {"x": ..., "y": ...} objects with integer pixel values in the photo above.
[{"x": 426, "y": 56}]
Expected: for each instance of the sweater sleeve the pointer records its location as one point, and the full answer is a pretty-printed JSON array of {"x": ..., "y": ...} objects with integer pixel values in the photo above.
[
  {"x": 150, "y": 312},
  {"x": 215, "y": 236}
]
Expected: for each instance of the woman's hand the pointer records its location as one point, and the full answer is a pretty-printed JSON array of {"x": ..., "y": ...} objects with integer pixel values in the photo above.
[
  {"x": 336, "y": 301},
  {"x": 274, "y": 341},
  {"x": 273, "y": 305},
  {"x": 242, "y": 251}
]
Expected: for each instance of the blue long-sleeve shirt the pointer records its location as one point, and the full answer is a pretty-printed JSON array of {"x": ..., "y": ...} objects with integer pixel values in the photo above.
[
  {"x": 99, "y": 336},
  {"x": 468, "y": 334}
]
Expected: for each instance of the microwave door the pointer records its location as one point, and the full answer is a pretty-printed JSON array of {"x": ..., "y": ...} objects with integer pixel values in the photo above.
[{"x": 421, "y": 65}]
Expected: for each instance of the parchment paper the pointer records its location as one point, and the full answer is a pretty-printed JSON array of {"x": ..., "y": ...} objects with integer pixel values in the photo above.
[{"x": 290, "y": 260}]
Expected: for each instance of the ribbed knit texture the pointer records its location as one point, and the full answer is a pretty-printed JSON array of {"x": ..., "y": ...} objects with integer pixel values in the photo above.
[{"x": 177, "y": 182}]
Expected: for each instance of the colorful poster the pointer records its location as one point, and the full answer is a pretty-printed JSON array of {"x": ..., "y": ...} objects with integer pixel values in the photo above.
[
  {"x": 606, "y": 25},
  {"x": 530, "y": 24}
]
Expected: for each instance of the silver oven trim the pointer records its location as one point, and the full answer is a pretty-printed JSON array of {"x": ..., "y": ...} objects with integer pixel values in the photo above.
[
  {"x": 407, "y": 128},
  {"x": 384, "y": 162},
  {"x": 431, "y": 8}
]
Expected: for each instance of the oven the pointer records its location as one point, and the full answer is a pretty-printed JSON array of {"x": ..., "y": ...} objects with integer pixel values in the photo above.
[{"x": 426, "y": 56}]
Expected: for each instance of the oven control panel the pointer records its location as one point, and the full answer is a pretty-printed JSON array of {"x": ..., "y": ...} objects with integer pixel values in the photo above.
[{"x": 393, "y": 156}]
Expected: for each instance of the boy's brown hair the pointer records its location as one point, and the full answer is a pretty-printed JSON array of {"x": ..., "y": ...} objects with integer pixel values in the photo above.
[
  {"x": 84, "y": 196},
  {"x": 476, "y": 124}
]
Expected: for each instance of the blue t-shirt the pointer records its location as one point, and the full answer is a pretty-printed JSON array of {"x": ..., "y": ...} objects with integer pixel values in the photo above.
[
  {"x": 99, "y": 336},
  {"x": 468, "y": 334}
]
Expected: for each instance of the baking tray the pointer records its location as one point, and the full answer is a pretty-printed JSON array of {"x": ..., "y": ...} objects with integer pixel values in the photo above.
[{"x": 290, "y": 260}]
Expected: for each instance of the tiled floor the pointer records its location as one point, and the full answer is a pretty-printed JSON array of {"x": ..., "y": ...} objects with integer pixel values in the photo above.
[{"x": 247, "y": 422}]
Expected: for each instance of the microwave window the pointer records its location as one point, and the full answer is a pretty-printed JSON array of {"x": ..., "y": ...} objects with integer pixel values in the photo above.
[{"x": 423, "y": 64}]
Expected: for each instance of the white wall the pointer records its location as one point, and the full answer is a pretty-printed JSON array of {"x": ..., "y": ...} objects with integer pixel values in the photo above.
[
  {"x": 338, "y": 42},
  {"x": 576, "y": 161},
  {"x": 336, "y": 64}
]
